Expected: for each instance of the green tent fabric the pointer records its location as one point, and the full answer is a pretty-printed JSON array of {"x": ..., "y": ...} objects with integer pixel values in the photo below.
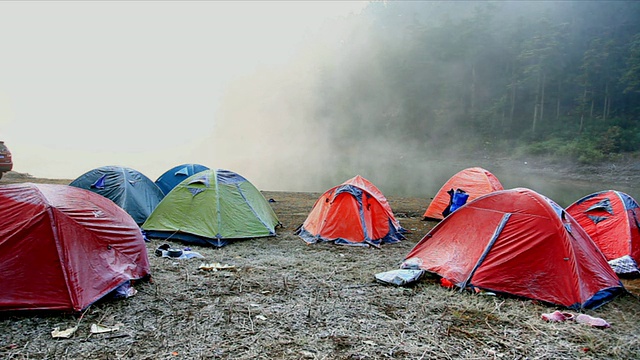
[{"x": 212, "y": 207}]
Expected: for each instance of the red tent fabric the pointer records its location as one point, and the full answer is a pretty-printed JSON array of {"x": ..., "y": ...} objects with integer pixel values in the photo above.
[
  {"x": 63, "y": 248},
  {"x": 521, "y": 243},
  {"x": 610, "y": 218},
  {"x": 353, "y": 213},
  {"x": 475, "y": 181}
]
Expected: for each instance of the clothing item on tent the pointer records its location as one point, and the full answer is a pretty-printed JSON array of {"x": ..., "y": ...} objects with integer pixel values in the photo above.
[
  {"x": 474, "y": 181},
  {"x": 63, "y": 248},
  {"x": 610, "y": 218},
  {"x": 174, "y": 176},
  {"x": 352, "y": 213},
  {"x": 457, "y": 199},
  {"x": 212, "y": 207},
  {"x": 128, "y": 188},
  {"x": 521, "y": 243}
]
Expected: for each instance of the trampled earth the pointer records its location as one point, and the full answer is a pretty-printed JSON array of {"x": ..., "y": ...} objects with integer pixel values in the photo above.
[{"x": 284, "y": 299}]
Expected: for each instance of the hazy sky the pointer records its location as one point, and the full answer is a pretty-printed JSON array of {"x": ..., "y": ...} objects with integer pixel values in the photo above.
[{"x": 88, "y": 84}]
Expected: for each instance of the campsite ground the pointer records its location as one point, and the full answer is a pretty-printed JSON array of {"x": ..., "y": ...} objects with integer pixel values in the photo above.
[{"x": 287, "y": 300}]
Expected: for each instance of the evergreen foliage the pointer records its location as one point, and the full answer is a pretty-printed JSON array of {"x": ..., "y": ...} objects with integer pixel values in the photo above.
[{"x": 555, "y": 78}]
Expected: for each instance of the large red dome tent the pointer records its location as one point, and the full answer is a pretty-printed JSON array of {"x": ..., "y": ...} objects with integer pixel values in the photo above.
[
  {"x": 521, "y": 243},
  {"x": 63, "y": 248}
]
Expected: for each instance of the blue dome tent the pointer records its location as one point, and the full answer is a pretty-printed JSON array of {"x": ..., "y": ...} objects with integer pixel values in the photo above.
[{"x": 174, "y": 176}]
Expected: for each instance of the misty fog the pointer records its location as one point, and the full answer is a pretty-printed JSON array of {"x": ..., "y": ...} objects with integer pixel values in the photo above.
[{"x": 407, "y": 94}]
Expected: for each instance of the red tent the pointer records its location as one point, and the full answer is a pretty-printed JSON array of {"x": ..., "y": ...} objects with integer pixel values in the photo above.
[
  {"x": 63, "y": 248},
  {"x": 610, "y": 218},
  {"x": 521, "y": 243},
  {"x": 474, "y": 181},
  {"x": 353, "y": 213}
]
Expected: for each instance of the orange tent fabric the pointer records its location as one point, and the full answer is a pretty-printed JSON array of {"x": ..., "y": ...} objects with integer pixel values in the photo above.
[
  {"x": 352, "y": 213},
  {"x": 475, "y": 181},
  {"x": 610, "y": 218},
  {"x": 521, "y": 243}
]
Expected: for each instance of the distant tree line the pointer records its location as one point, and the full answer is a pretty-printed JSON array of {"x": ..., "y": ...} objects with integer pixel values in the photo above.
[{"x": 551, "y": 78}]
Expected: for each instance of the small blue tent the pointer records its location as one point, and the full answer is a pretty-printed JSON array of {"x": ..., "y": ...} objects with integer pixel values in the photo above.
[
  {"x": 174, "y": 176},
  {"x": 131, "y": 190}
]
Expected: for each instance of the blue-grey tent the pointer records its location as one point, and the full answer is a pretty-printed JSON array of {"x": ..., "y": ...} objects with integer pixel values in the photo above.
[
  {"x": 128, "y": 188},
  {"x": 174, "y": 176}
]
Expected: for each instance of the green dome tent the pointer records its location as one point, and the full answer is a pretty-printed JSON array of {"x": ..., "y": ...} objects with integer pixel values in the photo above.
[{"x": 211, "y": 208}]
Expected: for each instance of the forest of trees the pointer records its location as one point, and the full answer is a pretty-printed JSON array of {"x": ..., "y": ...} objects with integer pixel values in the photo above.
[{"x": 547, "y": 78}]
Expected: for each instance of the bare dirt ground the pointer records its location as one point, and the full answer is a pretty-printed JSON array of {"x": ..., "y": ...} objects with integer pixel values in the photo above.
[{"x": 289, "y": 300}]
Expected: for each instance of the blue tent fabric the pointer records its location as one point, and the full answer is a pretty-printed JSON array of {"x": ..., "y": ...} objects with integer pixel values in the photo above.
[
  {"x": 128, "y": 188},
  {"x": 174, "y": 176}
]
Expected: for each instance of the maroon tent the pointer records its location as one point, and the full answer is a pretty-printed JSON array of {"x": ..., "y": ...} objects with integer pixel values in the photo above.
[{"x": 63, "y": 248}]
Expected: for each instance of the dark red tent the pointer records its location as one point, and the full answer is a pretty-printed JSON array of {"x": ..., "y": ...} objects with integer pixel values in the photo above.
[
  {"x": 521, "y": 243},
  {"x": 63, "y": 248}
]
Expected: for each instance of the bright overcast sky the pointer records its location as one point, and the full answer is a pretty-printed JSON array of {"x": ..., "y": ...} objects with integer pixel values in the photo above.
[{"x": 133, "y": 83}]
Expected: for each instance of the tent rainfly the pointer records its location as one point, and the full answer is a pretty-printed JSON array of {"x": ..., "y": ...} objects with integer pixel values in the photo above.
[
  {"x": 521, "y": 243},
  {"x": 474, "y": 181},
  {"x": 63, "y": 248},
  {"x": 174, "y": 176},
  {"x": 128, "y": 188},
  {"x": 610, "y": 218},
  {"x": 212, "y": 207},
  {"x": 352, "y": 213}
]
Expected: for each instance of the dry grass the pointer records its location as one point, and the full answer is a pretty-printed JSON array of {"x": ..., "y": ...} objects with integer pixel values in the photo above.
[{"x": 289, "y": 300}]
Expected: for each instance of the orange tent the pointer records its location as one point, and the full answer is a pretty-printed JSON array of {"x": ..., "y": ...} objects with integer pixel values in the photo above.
[
  {"x": 474, "y": 181},
  {"x": 610, "y": 218},
  {"x": 353, "y": 213},
  {"x": 521, "y": 243}
]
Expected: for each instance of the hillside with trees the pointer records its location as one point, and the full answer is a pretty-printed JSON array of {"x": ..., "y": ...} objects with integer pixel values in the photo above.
[{"x": 558, "y": 79}]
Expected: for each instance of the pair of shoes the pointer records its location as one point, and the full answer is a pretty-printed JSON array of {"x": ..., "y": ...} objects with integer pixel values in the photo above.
[
  {"x": 593, "y": 321},
  {"x": 161, "y": 250},
  {"x": 558, "y": 316}
]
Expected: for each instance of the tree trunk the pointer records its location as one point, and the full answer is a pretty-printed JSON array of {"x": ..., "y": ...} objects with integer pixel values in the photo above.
[
  {"x": 606, "y": 102},
  {"x": 512, "y": 95},
  {"x": 535, "y": 117},
  {"x": 544, "y": 78},
  {"x": 558, "y": 102},
  {"x": 473, "y": 91},
  {"x": 536, "y": 104},
  {"x": 582, "y": 105}
]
